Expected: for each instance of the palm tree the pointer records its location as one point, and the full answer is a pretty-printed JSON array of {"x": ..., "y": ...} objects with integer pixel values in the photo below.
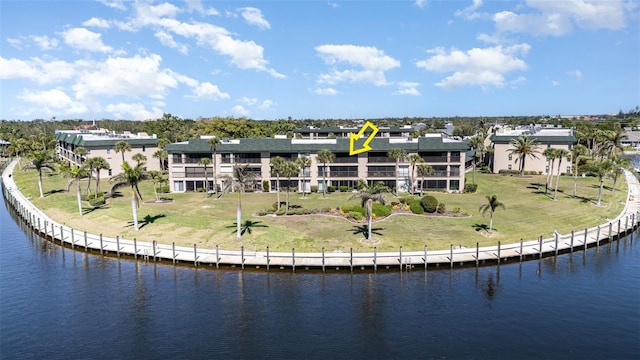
[
  {"x": 276, "y": 164},
  {"x": 80, "y": 152},
  {"x": 131, "y": 176},
  {"x": 238, "y": 182},
  {"x": 476, "y": 143},
  {"x": 550, "y": 154},
  {"x": 158, "y": 179},
  {"x": 162, "y": 156},
  {"x": 17, "y": 148},
  {"x": 304, "y": 163},
  {"x": 325, "y": 156},
  {"x": 76, "y": 173},
  {"x": 423, "y": 171},
  {"x": 41, "y": 160},
  {"x": 214, "y": 142},
  {"x": 205, "y": 162},
  {"x": 397, "y": 155},
  {"x": 414, "y": 159},
  {"x": 99, "y": 164},
  {"x": 618, "y": 164},
  {"x": 601, "y": 169},
  {"x": 140, "y": 159},
  {"x": 162, "y": 142},
  {"x": 289, "y": 169},
  {"x": 367, "y": 196},
  {"x": 613, "y": 142},
  {"x": 561, "y": 154},
  {"x": 120, "y": 147},
  {"x": 491, "y": 205},
  {"x": 577, "y": 151},
  {"x": 524, "y": 146},
  {"x": 88, "y": 164}
]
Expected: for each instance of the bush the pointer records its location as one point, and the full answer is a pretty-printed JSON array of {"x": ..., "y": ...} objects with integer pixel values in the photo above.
[
  {"x": 249, "y": 190},
  {"x": 89, "y": 197},
  {"x": 508, "y": 172},
  {"x": 355, "y": 215},
  {"x": 456, "y": 211},
  {"x": 331, "y": 188},
  {"x": 164, "y": 189},
  {"x": 200, "y": 189},
  {"x": 429, "y": 203},
  {"x": 265, "y": 185},
  {"x": 97, "y": 202},
  {"x": 416, "y": 208},
  {"x": 274, "y": 206},
  {"x": 355, "y": 208},
  {"x": 380, "y": 210},
  {"x": 314, "y": 188},
  {"x": 344, "y": 188},
  {"x": 470, "y": 188},
  {"x": 361, "y": 184},
  {"x": 441, "y": 208}
]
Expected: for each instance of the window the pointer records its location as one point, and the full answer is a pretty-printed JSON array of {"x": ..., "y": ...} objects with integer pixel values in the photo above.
[
  {"x": 568, "y": 169},
  {"x": 548, "y": 146},
  {"x": 454, "y": 185},
  {"x": 108, "y": 150},
  {"x": 110, "y": 172},
  {"x": 144, "y": 148},
  {"x": 344, "y": 171},
  {"x": 509, "y": 167},
  {"x": 178, "y": 186},
  {"x": 510, "y": 157},
  {"x": 381, "y": 171},
  {"x": 454, "y": 171},
  {"x": 455, "y": 156}
]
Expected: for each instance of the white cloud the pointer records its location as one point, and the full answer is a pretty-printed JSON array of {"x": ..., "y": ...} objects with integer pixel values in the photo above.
[
  {"x": 239, "y": 110},
  {"x": 37, "y": 70},
  {"x": 559, "y": 17},
  {"x": 97, "y": 23},
  {"x": 325, "y": 91},
  {"x": 420, "y": 3},
  {"x": 476, "y": 67},
  {"x": 555, "y": 83},
  {"x": 208, "y": 91},
  {"x": 407, "y": 88},
  {"x": 266, "y": 104},
  {"x": 168, "y": 41},
  {"x": 469, "y": 12},
  {"x": 45, "y": 42},
  {"x": 576, "y": 74},
  {"x": 333, "y": 5},
  {"x": 52, "y": 101},
  {"x": 371, "y": 61},
  {"x": 134, "y": 111},
  {"x": 81, "y": 38},
  {"x": 253, "y": 16},
  {"x": 114, "y": 4},
  {"x": 196, "y": 5}
]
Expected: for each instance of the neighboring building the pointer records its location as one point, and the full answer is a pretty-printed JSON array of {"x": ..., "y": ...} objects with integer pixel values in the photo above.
[
  {"x": 101, "y": 142},
  {"x": 446, "y": 156},
  {"x": 332, "y": 132},
  {"x": 632, "y": 140},
  {"x": 547, "y": 137}
]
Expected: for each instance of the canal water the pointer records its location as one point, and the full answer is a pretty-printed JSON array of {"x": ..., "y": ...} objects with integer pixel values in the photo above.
[{"x": 57, "y": 303}]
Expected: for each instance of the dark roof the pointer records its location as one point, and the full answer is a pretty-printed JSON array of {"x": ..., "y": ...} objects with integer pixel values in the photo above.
[{"x": 286, "y": 146}]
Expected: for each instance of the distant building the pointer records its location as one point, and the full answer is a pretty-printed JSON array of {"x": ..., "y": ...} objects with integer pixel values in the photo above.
[
  {"x": 101, "y": 142},
  {"x": 446, "y": 156},
  {"x": 547, "y": 137}
]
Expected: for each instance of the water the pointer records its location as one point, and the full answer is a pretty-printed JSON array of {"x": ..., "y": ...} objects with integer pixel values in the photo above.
[{"x": 61, "y": 304}]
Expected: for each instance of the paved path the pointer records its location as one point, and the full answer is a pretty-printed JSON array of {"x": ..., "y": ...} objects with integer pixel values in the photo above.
[{"x": 523, "y": 250}]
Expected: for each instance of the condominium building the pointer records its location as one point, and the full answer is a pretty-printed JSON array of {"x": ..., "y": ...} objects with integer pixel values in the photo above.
[
  {"x": 101, "y": 143},
  {"x": 446, "y": 157},
  {"x": 546, "y": 137}
]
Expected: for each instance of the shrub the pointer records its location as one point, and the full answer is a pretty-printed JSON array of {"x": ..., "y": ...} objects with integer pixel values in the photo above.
[
  {"x": 456, "y": 211},
  {"x": 361, "y": 184},
  {"x": 200, "y": 189},
  {"x": 395, "y": 207},
  {"x": 345, "y": 209},
  {"x": 416, "y": 208},
  {"x": 470, "y": 188},
  {"x": 344, "y": 188},
  {"x": 508, "y": 172},
  {"x": 249, "y": 190},
  {"x": 429, "y": 203},
  {"x": 97, "y": 202},
  {"x": 381, "y": 210},
  {"x": 314, "y": 188},
  {"x": 441, "y": 208},
  {"x": 331, "y": 188},
  {"x": 164, "y": 189},
  {"x": 355, "y": 215},
  {"x": 274, "y": 206},
  {"x": 265, "y": 185},
  {"x": 395, "y": 203},
  {"x": 89, "y": 197}
]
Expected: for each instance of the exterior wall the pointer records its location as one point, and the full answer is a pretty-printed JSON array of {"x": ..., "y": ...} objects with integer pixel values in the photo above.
[
  {"x": 66, "y": 152},
  {"x": 503, "y": 161}
]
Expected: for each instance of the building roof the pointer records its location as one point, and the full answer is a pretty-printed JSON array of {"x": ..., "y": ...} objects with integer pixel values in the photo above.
[
  {"x": 102, "y": 138},
  {"x": 355, "y": 129},
  {"x": 425, "y": 143},
  {"x": 544, "y": 135}
]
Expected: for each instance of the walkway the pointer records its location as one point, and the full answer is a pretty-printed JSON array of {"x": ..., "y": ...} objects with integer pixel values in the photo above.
[{"x": 626, "y": 222}]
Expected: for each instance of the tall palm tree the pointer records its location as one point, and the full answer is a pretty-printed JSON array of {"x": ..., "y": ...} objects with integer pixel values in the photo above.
[
  {"x": 162, "y": 156},
  {"x": 241, "y": 178},
  {"x": 162, "y": 142},
  {"x": 158, "y": 179},
  {"x": 41, "y": 160},
  {"x": 414, "y": 159},
  {"x": 397, "y": 155},
  {"x": 205, "y": 162},
  {"x": 99, "y": 164},
  {"x": 276, "y": 164},
  {"x": 577, "y": 151},
  {"x": 423, "y": 171},
  {"x": 550, "y": 154},
  {"x": 325, "y": 156},
  {"x": 618, "y": 164},
  {"x": 131, "y": 176},
  {"x": 602, "y": 169},
  {"x": 289, "y": 169},
  {"x": 304, "y": 163},
  {"x": 613, "y": 142},
  {"x": 561, "y": 154},
  {"x": 491, "y": 205},
  {"x": 89, "y": 165},
  {"x": 140, "y": 159},
  {"x": 120, "y": 147},
  {"x": 524, "y": 146},
  {"x": 214, "y": 142},
  {"x": 80, "y": 152},
  {"x": 477, "y": 144},
  {"x": 367, "y": 196},
  {"x": 18, "y": 147},
  {"x": 76, "y": 173}
]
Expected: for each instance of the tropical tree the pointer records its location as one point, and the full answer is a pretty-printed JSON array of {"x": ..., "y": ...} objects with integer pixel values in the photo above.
[
  {"x": 414, "y": 160},
  {"x": 618, "y": 165},
  {"x": 214, "y": 142},
  {"x": 491, "y": 206},
  {"x": 397, "y": 155},
  {"x": 76, "y": 173},
  {"x": 241, "y": 178},
  {"x": 424, "y": 170},
  {"x": 162, "y": 156},
  {"x": 577, "y": 151},
  {"x": 304, "y": 163},
  {"x": 131, "y": 176},
  {"x": 561, "y": 154},
  {"x": 289, "y": 169},
  {"x": 80, "y": 152},
  {"x": 140, "y": 159},
  {"x": 158, "y": 179},
  {"x": 524, "y": 146},
  {"x": 277, "y": 163},
  {"x": 120, "y": 147},
  {"x": 367, "y": 196},
  {"x": 613, "y": 142},
  {"x": 17, "y": 148},
  {"x": 162, "y": 142},
  {"x": 88, "y": 164},
  {"x": 205, "y": 162},
  {"x": 99, "y": 164},
  {"x": 551, "y": 155},
  {"x": 601, "y": 169},
  {"x": 41, "y": 160},
  {"x": 477, "y": 144},
  {"x": 325, "y": 156}
]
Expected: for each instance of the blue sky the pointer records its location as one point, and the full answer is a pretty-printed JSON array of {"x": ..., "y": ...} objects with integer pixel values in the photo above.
[{"x": 317, "y": 59}]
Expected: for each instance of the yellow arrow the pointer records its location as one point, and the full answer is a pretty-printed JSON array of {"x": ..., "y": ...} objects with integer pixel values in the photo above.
[{"x": 365, "y": 146}]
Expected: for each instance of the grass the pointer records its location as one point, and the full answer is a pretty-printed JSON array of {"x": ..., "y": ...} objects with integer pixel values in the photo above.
[{"x": 194, "y": 218}]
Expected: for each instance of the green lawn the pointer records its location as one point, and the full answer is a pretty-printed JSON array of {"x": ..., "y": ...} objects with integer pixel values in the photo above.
[{"x": 194, "y": 218}]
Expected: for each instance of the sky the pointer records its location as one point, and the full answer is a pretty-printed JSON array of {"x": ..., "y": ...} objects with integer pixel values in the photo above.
[{"x": 136, "y": 60}]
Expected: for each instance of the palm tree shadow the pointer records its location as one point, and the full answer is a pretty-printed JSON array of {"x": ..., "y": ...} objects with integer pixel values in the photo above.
[
  {"x": 115, "y": 194},
  {"x": 481, "y": 227},
  {"x": 86, "y": 211},
  {"x": 246, "y": 226},
  {"x": 364, "y": 230},
  {"x": 148, "y": 219},
  {"x": 51, "y": 192}
]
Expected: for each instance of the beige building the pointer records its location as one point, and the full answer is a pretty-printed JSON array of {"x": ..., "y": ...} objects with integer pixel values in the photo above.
[
  {"x": 100, "y": 143},
  {"x": 547, "y": 137}
]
